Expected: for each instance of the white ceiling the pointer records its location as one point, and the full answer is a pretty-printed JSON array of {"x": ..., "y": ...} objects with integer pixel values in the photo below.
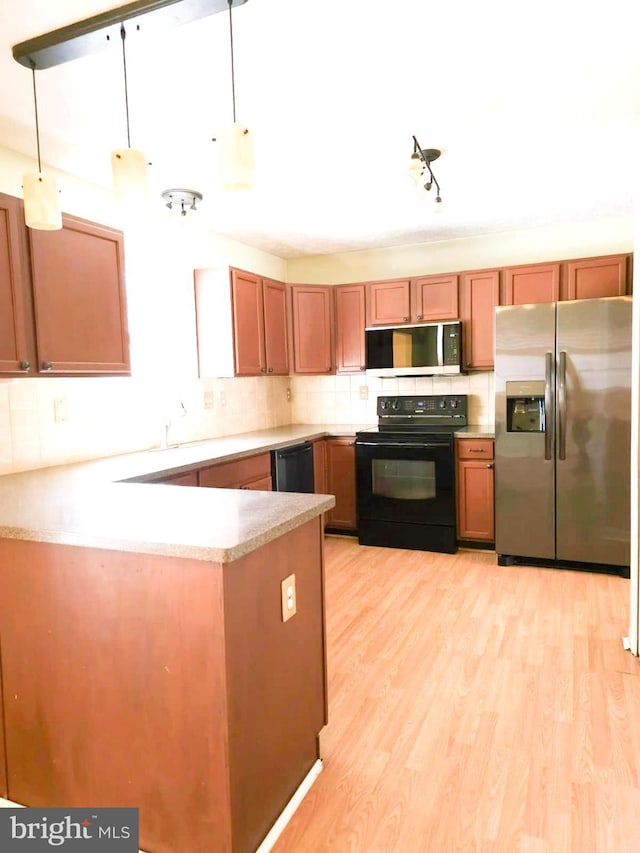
[{"x": 534, "y": 105}]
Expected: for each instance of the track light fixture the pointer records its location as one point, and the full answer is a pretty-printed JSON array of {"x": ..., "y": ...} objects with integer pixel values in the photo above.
[
  {"x": 182, "y": 200},
  {"x": 420, "y": 168},
  {"x": 40, "y": 192}
]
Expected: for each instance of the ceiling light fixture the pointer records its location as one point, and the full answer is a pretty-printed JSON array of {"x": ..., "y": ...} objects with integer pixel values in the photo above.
[
  {"x": 129, "y": 166},
  {"x": 40, "y": 192},
  {"x": 182, "y": 200},
  {"x": 420, "y": 168},
  {"x": 234, "y": 141}
]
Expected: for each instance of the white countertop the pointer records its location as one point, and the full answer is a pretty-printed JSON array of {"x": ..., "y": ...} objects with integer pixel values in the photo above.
[{"x": 83, "y": 504}]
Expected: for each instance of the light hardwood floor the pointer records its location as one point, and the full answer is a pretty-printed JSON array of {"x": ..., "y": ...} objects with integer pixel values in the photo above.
[{"x": 473, "y": 707}]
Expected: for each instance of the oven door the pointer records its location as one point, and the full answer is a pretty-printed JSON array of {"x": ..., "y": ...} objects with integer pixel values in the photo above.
[{"x": 406, "y": 478}]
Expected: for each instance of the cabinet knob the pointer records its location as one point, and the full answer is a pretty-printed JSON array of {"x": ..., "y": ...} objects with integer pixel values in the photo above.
[
  {"x": 490, "y": 465},
  {"x": 406, "y": 319},
  {"x": 419, "y": 316},
  {"x": 263, "y": 370},
  {"x": 47, "y": 365},
  {"x": 271, "y": 370},
  {"x": 25, "y": 365},
  {"x": 362, "y": 367},
  {"x": 329, "y": 369}
]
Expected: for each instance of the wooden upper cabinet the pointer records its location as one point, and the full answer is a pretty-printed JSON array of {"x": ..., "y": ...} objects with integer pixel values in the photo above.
[
  {"x": 388, "y": 302},
  {"x": 434, "y": 298},
  {"x": 259, "y": 308},
  {"x": 17, "y": 349},
  {"x": 527, "y": 284},
  {"x": 480, "y": 295},
  {"x": 350, "y": 323},
  {"x": 274, "y": 299},
  {"x": 248, "y": 323},
  {"x": 79, "y": 299},
  {"x": 594, "y": 277},
  {"x": 312, "y": 318}
]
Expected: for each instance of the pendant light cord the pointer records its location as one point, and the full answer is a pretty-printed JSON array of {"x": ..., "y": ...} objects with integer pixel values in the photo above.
[
  {"x": 233, "y": 76},
  {"x": 35, "y": 103},
  {"x": 123, "y": 36}
]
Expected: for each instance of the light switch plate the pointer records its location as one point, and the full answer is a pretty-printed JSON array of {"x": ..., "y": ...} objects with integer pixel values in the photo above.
[{"x": 288, "y": 595}]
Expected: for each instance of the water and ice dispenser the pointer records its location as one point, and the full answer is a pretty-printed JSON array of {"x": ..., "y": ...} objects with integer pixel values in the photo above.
[{"x": 525, "y": 407}]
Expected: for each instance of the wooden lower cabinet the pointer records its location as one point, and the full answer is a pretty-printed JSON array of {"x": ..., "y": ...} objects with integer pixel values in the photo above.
[
  {"x": 475, "y": 489},
  {"x": 341, "y": 482},
  {"x": 163, "y": 683},
  {"x": 251, "y": 472},
  {"x": 189, "y": 478}
]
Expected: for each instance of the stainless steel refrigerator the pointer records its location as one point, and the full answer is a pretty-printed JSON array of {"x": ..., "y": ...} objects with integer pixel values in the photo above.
[{"x": 563, "y": 431}]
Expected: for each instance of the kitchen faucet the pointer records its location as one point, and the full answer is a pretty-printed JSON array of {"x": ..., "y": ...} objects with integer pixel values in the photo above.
[{"x": 167, "y": 424}]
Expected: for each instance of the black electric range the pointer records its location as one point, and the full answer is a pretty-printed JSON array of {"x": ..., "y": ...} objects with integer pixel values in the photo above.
[{"x": 405, "y": 473}]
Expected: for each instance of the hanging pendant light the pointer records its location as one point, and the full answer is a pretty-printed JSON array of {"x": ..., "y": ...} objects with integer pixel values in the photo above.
[
  {"x": 40, "y": 192},
  {"x": 128, "y": 165},
  {"x": 235, "y": 142}
]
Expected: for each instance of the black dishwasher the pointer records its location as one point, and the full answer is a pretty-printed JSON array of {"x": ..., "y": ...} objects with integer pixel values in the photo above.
[{"x": 292, "y": 468}]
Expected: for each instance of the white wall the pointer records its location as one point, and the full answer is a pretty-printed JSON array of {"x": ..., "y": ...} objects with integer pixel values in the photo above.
[
  {"x": 578, "y": 240},
  {"x": 113, "y": 415}
]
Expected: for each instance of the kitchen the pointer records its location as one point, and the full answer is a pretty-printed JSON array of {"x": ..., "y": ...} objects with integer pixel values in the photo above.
[{"x": 106, "y": 416}]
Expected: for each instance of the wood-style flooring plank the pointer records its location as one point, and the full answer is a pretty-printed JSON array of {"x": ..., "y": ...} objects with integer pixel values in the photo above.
[{"x": 473, "y": 707}]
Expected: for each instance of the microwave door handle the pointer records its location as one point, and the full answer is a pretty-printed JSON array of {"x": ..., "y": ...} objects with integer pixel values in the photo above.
[
  {"x": 548, "y": 405},
  {"x": 440, "y": 344}
]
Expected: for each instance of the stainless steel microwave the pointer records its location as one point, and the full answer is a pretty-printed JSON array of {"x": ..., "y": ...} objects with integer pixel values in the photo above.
[{"x": 433, "y": 349}]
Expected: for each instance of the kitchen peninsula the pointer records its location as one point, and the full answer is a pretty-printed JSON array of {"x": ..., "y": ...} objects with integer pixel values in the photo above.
[{"x": 144, "y": 658}]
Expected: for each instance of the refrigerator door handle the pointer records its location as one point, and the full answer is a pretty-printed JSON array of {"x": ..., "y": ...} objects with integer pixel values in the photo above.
[
  {"x": 548, "y": 405},
  {"x": 562, "y": 405}
]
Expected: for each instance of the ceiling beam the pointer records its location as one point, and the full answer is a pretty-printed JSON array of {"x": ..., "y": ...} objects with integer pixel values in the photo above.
[{"x": 97, "y": 33}]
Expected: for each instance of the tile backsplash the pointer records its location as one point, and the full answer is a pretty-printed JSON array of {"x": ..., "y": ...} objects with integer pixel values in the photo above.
[
  {"x": 352, "y": 399},
  {"x": 54, "y": 421}
]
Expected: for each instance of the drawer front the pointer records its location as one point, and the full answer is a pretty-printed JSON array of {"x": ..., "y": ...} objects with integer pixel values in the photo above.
[
  {"x": 233, "y": 474},
  {"x": 474, "y": 448}
]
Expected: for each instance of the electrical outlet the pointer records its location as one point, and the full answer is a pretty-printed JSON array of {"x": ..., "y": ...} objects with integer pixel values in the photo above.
[
  {"x": 223, "y": 398},
  {"x": 208, "y": 399},
  {"x": 288, "y": 593},
  {"x": 364, "y": 392},
  {"x": 289, "y": 395},
  {"x": 60, "y": 411}
]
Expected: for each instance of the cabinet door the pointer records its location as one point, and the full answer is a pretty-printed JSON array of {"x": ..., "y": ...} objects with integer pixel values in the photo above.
[
  {"x": 189, "y": 478},
  {"x": 274, "y": 298},
  {"x": 388, "y": 302},
  {"x": 79, "y": 299},
  {"x": 475, "y": 500},
  {"x": 350, "y": 323},
  {"x": 312, "y": 316},
  {"x": 434, "y": 298},
  {"x": 341, "y": 482},
  {"x": 480, "y": 295},
  {"x": 248, "y": 324},
  {"x": 16, "y": 317},
  {"x": 3, "y": 760},
  {"x": 595, "y": 277},
  {"x": 264, "y": 484},
  {"x": 320, "y": 467},
  {"x": 537, "y": 283}
]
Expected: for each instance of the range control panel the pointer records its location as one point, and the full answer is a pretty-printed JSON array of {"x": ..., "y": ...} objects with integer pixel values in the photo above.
[{"x": 433, "y": 410}]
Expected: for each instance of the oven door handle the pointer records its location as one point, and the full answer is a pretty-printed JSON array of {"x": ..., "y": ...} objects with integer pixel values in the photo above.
[{"x": 417, "y": 445}]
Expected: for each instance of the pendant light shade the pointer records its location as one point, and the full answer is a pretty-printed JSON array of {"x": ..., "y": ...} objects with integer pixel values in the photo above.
[
  {"x": 236, "y": 158},
  {"x": 235, "y": 142},
  {"x": 41, "y": 206},
  {"x": 40, "y": 192},
  {"x": 130, "y": 180},
  {"x": 129, "y": 165}
]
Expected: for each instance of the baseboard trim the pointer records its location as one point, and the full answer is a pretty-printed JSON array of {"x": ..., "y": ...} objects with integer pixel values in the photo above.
[{"x": 289, "y": 810}]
